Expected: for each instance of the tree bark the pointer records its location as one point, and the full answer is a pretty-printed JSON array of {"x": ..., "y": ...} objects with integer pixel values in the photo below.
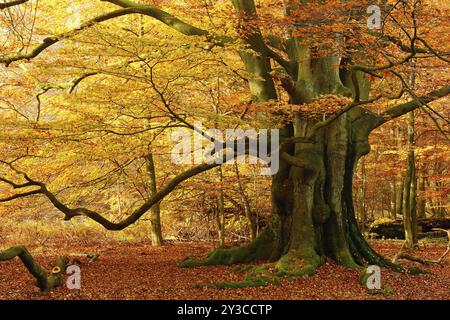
[
  {"x": 410, "y": 183},
  {"x": 155, "y": 210},
  {"x": 363, "y": 207},
  {"x": 44, "y": 281},
  {"x": 247, "y": 207},
  {"x": 421, "y": 201},
  {"x": 221, "y": 210},
  {"x": 312, "y": 202}
]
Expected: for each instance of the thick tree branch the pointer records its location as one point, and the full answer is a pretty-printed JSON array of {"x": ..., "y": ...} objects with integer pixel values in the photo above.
[
  {"x": 139, "y": 212},
  {"x": 12, "y": 4},
  {"x": 164, "y": 17},
  {"x": 409, "y": 106},
  {"x": 136, "y": 215},
  {"x": 21, "y": 195},
  {"x": 69, "y": 86},
  {"x": 15, "y": 185},
  {"x": 49, "y": 41},
  {"x": 310, "y": 138},
  {"x": 397, "y": 41},
  {"x": 128, "y": 8},
  {"x": 424, "y": 106},
  {"x": 253, "y": 37}
]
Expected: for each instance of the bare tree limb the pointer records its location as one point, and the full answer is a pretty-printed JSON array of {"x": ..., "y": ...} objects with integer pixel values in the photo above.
[
  {"x": 128, "y": 8},
  {"x": 134, "y": 216},
  {"x": 409, "y": 106},
  {"x": 11, "y": 4}
]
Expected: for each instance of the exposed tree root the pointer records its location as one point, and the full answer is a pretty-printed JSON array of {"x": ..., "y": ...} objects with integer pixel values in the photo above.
[
  {"x": 404, "y": 254},
  {"x": 44, "y": 281},
  {"x": 293, "y": 264},
  {"x": 298, "y": 264},
  {"x": 259, "y": 249},
  {"x": 270, "y": 274},
  {"x": 259, "y": 276}
]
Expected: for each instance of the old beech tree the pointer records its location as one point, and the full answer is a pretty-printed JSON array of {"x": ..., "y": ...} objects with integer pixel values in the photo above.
[{"x": 296, "y": 52}]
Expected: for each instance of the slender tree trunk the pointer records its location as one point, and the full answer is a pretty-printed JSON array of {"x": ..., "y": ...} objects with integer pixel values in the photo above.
[
  {"x": 155, "y": 211},
  {"x": 432, "y": 203},
  {"x": 363, "y": 207},
  {"x": 410, "y": 184},
  {"x": 399, "y": 180},
  {"x": 421, "y": 201},
  {"x": 247, "y": 207},
  {"x": 436, "y": 204},
  {"x": 399, "y": 199},
  {"x": 221, "y": 210},
  {"x": 393, "y": 200},
  {"x": 409, "y": 204}
]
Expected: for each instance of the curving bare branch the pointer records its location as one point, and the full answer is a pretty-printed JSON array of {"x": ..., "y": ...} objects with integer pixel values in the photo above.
[
  {"x": 70, "y": 213},
  {"x": 12, "y": 4}
]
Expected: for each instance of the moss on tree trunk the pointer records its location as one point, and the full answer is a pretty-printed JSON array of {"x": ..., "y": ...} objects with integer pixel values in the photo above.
[
  {"x": 44, "y": 281},
  {"x": 312, "y": 205}
]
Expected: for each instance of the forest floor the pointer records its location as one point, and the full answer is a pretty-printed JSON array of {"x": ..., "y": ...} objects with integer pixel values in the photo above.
[{"x": 140, "y": 271}]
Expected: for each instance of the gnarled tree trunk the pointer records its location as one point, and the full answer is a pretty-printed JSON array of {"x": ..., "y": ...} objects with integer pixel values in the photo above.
[{"x": 313, "y": 215}]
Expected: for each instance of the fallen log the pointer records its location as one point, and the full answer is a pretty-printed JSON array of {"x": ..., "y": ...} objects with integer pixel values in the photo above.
[
  {"x": 44, "y": 281},
  {"x": 395, "y": 229}
]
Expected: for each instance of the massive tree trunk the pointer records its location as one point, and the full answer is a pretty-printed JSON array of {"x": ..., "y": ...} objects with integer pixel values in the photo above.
[
  {"x": 313, "y": 215},
  {"x": 312, "y": 203}
]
